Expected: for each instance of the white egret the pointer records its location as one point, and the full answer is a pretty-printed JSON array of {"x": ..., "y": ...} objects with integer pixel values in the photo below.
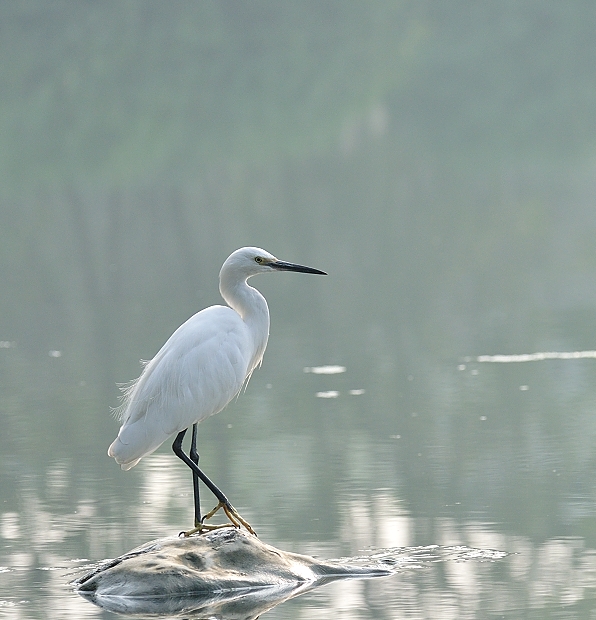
[{"x": 198, "y": 371}]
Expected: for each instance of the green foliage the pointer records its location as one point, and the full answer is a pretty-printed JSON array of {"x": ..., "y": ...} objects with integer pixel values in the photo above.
[
  {"x": 120, "y": 91},
  {"x": 505, "y": 77},
  {"x": 153, "y": 138}
]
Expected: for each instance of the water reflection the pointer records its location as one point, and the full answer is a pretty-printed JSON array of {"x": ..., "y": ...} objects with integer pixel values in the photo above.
[
  {"x": 555, "y": 573},
  {"x": 482, "y": 464},
  {"x": 226, "y": 605},
  {"x": 446, "y": 181}
]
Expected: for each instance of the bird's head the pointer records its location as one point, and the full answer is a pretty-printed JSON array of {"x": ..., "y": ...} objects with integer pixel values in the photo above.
[{"x": 250, "y": 261}]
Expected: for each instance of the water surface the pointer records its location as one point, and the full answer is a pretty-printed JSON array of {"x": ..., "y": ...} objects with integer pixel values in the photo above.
[{"x": 488, "y": 455}]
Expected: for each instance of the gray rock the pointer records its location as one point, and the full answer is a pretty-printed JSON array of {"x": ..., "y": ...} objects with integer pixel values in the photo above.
[{"x": 226, "y": 572}]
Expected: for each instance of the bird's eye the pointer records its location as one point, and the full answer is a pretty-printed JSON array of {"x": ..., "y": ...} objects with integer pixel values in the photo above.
[{"x": 259, "y": 259}]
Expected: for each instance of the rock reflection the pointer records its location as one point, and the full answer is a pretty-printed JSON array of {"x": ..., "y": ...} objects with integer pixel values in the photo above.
[{"x": 225, "y": 605}]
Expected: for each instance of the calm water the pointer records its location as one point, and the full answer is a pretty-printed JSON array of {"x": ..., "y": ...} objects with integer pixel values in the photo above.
[
  {"x": 436, "y": 159},
  {"x": 494, "y": 456}
]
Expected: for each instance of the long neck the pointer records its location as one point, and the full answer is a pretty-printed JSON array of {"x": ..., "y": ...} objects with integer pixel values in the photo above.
[{"x": 252, "y": 308}]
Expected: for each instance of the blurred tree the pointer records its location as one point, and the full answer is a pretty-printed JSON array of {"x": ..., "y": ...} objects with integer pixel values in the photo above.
[
  {"x": 120, "y": 91},
  {"x": 504, "y": 78}
]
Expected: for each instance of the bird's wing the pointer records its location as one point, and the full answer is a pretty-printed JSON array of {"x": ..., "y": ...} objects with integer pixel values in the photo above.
[{"x": 194, "y": 375}]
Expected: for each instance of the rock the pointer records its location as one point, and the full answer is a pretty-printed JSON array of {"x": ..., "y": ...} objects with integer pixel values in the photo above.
[{"x": 226, "y": 572}]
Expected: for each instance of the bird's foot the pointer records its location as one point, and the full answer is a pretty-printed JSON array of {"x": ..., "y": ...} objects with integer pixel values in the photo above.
[
  {"x": 235, "y": 520},
  {"x": 203, "y": 528}
]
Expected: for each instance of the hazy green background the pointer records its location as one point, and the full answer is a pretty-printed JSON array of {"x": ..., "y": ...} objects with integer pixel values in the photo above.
[{"x": 437, "y": 158}]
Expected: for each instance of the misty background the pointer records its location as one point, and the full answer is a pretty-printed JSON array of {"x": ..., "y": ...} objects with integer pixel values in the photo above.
[{"x": 437, "y": 159}]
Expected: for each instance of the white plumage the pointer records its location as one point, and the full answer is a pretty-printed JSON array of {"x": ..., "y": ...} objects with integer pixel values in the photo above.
[{"x": 204, "y": 363}]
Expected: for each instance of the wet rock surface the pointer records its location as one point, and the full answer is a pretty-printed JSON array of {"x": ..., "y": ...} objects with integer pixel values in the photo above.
[{"x": 225, "y": 572}]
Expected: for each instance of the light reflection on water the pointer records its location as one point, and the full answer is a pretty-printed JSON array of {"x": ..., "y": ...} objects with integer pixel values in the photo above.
[
  {"x": 338, "y": 479},
  {"x": 556, "y": 572}
]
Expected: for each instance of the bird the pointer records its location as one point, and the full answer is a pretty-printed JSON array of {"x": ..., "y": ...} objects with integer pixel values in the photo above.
[{"x": 197, "y": 372}]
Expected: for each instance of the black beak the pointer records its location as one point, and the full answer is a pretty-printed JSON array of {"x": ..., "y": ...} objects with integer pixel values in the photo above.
[{"x": 281, "y": 266}]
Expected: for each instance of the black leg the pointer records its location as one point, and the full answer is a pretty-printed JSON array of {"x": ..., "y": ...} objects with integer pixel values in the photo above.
[
  {"x": 194, "y": 457},
  {"x": 177, "y": 448},
  {"x": 235, "y": 519}
]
